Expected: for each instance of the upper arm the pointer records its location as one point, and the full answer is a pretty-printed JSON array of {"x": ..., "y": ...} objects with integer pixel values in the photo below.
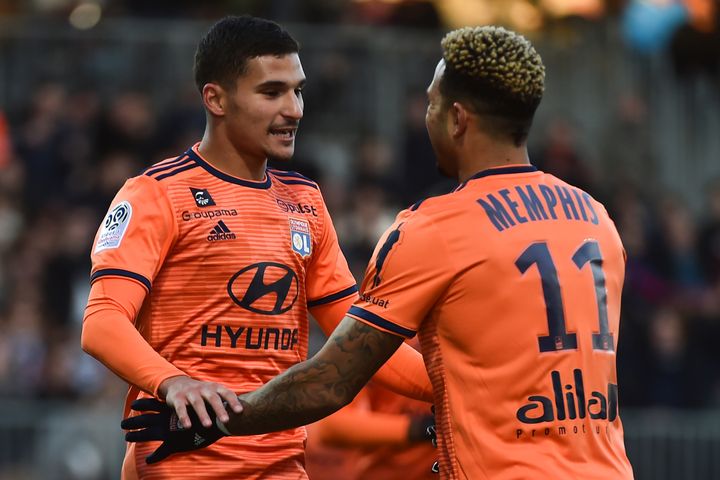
[
  {"x": 135, "y": 234},
  {"x": 407, "y": 275},
  {"x": 329, "y": 316},
  {"x": 329, "y": 278}
]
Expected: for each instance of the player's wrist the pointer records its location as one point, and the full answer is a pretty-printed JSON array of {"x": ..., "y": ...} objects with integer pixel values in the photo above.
[{"x": 164, "y": 386}]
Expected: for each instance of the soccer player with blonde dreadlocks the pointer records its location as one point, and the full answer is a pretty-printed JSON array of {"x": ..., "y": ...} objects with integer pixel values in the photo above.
[{"x": 512, "y": 283}]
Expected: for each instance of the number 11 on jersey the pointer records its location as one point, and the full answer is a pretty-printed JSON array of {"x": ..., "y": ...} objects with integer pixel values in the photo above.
[{"x": 559, "y": 338}]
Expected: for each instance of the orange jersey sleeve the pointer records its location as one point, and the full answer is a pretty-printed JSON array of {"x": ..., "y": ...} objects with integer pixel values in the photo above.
[
  {"x": 136, "y": 233},
  {"x": 406, "y": 276},
  {"x": 357, "y": 426},
  {"x": 108, "y": 334},
  {"x": 329, "y": 278}
]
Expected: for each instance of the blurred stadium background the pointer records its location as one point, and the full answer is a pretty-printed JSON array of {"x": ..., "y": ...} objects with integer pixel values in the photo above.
[{"x": 93, "y": 90}]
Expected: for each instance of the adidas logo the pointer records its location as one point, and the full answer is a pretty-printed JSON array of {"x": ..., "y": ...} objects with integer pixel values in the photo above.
[{"x": 220, "y": 232}]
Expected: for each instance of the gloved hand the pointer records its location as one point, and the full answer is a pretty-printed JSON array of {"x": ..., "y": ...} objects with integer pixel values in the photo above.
[
  {"x": 163, "y": 425},
  {"x": 422, "y": 427}
]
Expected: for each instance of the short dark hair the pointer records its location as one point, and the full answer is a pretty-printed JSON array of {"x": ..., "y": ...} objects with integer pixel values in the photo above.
[
  {"x": 223, "y": 52},
  {"x": 498, "y": 74}
]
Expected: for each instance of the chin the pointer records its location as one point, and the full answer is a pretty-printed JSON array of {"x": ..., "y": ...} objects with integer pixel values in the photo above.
[{"x": 281, "y": 156}]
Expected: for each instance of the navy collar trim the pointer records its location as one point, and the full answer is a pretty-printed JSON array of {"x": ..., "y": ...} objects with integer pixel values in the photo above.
[
  {"x": 264, "y": 185},
  {"x": 504, "y": 171}
]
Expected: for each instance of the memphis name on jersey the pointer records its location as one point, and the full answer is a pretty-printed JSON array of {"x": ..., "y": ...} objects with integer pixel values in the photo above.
[{"x": 529, "y": 203}]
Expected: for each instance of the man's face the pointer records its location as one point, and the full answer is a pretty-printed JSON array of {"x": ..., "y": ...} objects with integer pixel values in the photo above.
[
  {"x": 265, "y": 108},
  {"x": 436, "y": 122}
]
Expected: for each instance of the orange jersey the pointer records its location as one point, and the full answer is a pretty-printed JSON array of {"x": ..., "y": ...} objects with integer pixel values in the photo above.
[
  {"x": 231, "y": 267},
  {"x": 411, "y": 462},
  {"x": 513, "y": 284},
  {"x": 371, "y": 437}
]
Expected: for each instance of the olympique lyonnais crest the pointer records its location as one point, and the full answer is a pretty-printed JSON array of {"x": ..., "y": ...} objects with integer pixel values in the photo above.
[
  {"x": 300, "y": 237},
  {"x": 114, "y": 226}
]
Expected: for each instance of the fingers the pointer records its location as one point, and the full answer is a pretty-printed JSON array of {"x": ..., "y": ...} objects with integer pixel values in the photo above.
[
  {"x": 146, "y": 434},
  {"x": 182, "y": 414},
  {"x": 231, "y": 398},
  {"x": 144, "y": 421},
  {"x": 184, "y": 391},
  {"x": 149, "y": 404},
  {"x": 198, "y": 405},
  {"x": 216, "y": 403}
]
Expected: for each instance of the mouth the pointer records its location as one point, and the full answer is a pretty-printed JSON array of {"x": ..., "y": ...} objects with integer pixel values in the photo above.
[{"x": 284, "y": 133}]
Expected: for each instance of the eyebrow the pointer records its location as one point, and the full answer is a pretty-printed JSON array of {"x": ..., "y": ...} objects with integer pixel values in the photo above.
[{"x": 279, "y": 84}]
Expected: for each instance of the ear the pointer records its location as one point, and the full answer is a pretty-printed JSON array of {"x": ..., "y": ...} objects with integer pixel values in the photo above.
[
  {"x": 459, "y": 120},
  {"x": 214, "y": 98}
]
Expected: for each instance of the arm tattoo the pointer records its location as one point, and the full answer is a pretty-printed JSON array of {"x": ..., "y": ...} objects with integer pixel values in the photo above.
[{"x": 319, "y": 386}]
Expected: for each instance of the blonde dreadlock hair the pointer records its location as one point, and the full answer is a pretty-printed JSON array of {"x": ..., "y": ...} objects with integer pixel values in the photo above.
[{"x": 497, "y": 73}]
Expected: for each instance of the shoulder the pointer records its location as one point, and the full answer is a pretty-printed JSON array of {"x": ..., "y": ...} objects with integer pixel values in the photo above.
[
  {"x": 435, "y": 208},
  {"x": 294, "y": 179},
  {"x": 171, "y": 167}
]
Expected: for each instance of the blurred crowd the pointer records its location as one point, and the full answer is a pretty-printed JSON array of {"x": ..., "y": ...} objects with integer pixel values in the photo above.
[{"x": 67, "y": 150}]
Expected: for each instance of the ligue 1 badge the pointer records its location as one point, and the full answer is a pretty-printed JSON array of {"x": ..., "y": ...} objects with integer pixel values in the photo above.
[
  {"x": 300, "y": 237},
  {"x": 113, "y": 228}
]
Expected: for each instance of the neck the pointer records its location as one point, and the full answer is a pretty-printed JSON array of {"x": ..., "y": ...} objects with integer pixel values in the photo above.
[
  {"x": 219, "y": 151},
  {"x": 484, "y": 153}
]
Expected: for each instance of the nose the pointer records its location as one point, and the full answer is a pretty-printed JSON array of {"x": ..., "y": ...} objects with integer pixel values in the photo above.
[{"x": 294, "y": 106}]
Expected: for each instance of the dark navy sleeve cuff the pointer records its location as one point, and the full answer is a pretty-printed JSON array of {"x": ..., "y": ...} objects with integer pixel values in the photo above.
[
  {"x": 380, "y": 322},
  {"x": 332, "y": 298},
  {"x": 117, "y": 272}
]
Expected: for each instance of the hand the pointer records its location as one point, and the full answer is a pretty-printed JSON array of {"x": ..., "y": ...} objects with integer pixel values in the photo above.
[
  {"x": 422, "y": 428},
  {"x": 181, "y": 391},
  {"x": 164, "y": 425}
]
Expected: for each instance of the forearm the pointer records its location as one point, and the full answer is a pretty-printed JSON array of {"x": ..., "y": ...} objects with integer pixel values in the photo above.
[
  {"x": 366, "y": 429},
  {"x": 301, "y": 395},
  {"x": 404, "y": 373},
  {"x": 109, "y": 335},
  {"x": 121, "y": 348},
  {"x": 316, "y": 388}
]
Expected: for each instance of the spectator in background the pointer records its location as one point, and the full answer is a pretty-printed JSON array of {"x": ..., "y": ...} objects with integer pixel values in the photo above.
[
  {"x": 559, "y": 154},
  {"x": 681, "y": 263},
  {"x": 420, "y": 179},
  {"x": 39, "y": 140},
  {"x": 709, "y": 241},
  {"x": 695, "y": 46},
  {"x": 673, "y": 373}
]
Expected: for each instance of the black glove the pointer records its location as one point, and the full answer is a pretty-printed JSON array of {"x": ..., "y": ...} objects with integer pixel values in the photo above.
[
  {"x": 422, "y": 427},
  {"x": 164, "y": 425}
]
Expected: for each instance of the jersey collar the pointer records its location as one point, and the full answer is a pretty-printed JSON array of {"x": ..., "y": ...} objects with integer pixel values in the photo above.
[
  {"x": 499, "y": 171},
  {"x": 504, "y": 171},
  {"x": 264, "y": 185}
]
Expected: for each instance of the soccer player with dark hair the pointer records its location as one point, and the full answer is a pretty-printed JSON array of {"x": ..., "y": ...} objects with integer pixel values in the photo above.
[
  {"x": 206, "y": 265},
  {"x": 512, "y": 282}
]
